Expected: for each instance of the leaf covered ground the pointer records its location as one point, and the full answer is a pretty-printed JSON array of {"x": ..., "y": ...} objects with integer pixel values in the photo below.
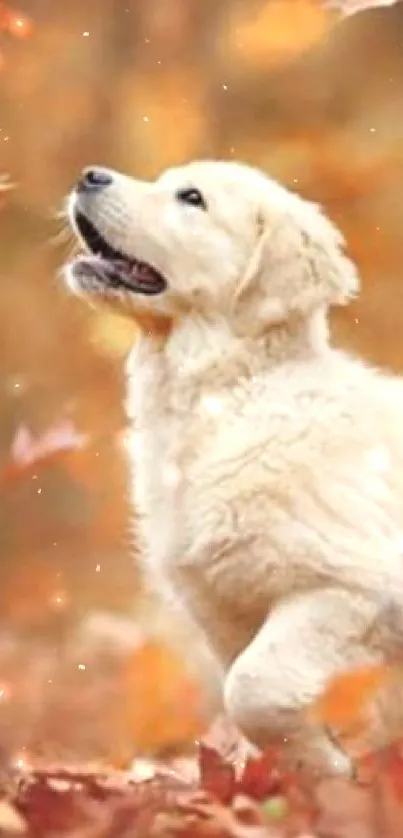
[{"x": 213, "y": 794}]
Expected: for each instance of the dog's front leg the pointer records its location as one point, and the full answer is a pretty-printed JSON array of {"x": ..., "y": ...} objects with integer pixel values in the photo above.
[{"x": 305, "y": 641}]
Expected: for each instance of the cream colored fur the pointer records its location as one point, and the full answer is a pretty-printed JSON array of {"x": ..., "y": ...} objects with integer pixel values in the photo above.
[{"x": 268, "y": 466}]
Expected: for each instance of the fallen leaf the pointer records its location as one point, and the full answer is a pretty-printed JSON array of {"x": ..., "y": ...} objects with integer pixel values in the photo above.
[
  {"x": 217, "y": 775},
  {"x": 391, "y": 764},
  {"x": 261, "y": 777},
  {"x": 225, "y": 738},
  {"x": 345, "y": 810}
]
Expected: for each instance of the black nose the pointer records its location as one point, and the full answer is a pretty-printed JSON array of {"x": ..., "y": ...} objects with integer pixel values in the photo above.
[{"x": 93, "y": 180}]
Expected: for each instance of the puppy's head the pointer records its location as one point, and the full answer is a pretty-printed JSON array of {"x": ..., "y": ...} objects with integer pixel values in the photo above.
[{"x": 217, "y": 239}]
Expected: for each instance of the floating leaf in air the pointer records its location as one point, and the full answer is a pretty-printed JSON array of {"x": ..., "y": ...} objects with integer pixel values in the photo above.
[
  {"x": 347, "y": 695},
  {"x": 28, "y": 450},
  {"x": 351, "y": 7}
]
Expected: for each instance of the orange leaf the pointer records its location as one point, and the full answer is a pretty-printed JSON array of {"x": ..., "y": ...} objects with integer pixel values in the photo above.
[
  {"x": 164, "y": 707},
  {"x": 343, "y": 703}
]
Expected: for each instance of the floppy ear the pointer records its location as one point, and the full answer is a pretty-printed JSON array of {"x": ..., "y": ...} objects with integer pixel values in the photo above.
[{"x": 298, "y": 265}]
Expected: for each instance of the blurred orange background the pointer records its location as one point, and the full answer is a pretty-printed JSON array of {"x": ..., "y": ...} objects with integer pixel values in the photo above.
[{"x": 283, "y": 84}]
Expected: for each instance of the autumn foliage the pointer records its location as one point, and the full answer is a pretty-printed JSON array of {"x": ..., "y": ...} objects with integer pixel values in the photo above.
[
  {"x": 93, "y": 673},
  {"x": 206, "y": 796}
]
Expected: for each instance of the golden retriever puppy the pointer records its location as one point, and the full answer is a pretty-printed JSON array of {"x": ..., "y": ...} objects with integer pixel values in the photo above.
[{"x": 268, "y": 466}]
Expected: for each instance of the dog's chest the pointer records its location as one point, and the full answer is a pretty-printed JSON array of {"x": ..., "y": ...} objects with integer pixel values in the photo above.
[
  {"x": 164, "y": 440},
  {"x": 189, "y": 536},
  {"x": 189, "y": 521},
  {"x": 184, "y": 475}
]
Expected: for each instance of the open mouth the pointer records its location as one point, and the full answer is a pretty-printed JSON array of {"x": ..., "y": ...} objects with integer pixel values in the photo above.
[{"x": 113, "y": 267}]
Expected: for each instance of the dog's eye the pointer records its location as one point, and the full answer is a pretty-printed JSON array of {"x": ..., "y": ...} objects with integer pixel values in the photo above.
[{"x": 191, "y": 195}]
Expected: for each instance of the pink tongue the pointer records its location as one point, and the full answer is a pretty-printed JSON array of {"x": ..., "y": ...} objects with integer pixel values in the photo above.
[
  {"x": 140, "y": 275},
  {"x": 141, "y": 271}
]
